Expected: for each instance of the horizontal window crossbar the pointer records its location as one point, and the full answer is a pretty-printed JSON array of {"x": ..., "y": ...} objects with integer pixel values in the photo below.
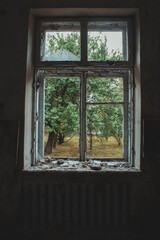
[
  {"x": 112, "y": 159},
  {"x": 105, "y": 103}
]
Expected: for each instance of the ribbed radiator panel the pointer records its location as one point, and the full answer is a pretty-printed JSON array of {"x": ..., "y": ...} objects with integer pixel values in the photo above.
[{"x": 75, "y": 205}]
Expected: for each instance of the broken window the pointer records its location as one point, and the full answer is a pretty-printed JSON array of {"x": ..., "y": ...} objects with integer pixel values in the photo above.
[
  {"x": 83, "y": 91},
  {"x": 60, "y": 41}
]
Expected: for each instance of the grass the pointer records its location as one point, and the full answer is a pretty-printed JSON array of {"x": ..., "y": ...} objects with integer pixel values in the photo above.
[{"x": 101, "y": 148}]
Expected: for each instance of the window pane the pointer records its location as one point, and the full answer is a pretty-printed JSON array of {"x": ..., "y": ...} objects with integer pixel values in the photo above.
[
  {"x": 107, "y": 41},
  {"x": 104, "y": 131},
  {"x": 62, "y": 117},
  {"x": 104, "y": 90},
  {"x": 60, "y": 41}
]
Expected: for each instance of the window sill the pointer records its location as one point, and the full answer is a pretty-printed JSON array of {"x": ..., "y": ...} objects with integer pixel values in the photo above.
[{"x": 76, "y": 166}]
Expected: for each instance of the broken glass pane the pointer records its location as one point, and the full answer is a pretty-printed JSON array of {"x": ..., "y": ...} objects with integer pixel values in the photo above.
[{"x": 60, "y": 41}]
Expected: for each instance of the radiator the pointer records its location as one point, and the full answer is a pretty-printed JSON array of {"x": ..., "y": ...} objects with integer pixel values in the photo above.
[{"x": 75, "y": 205}]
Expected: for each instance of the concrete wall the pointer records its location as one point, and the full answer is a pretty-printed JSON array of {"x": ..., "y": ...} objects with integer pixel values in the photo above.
[{"x": 144, "y": 187}]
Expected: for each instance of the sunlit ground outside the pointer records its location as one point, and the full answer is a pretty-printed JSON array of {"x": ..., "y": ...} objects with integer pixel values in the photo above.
[
  {"x": 101, "y": 148},
  {"x": 104, "y": 148}
]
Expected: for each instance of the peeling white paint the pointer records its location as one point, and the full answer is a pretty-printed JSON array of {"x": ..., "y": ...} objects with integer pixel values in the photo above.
[{"x": 74, "y": 165}]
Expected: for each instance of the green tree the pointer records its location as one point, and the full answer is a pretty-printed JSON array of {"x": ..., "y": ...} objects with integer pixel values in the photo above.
[
  {"x": 104, "y": 120},
  {"x": 61, "y": 109}
]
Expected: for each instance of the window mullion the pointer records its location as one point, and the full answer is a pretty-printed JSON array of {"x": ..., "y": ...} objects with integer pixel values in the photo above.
[
  {"x": 125, "y": 47},
  {"x": 132, "y": 117},
  {"x": 125, "y": 117},
  {"x": 84, "y": 50},
  {"x": 35, "y": 126},
  {"x": 83, "y": 122},
  {"x": 41, "y": 118}
]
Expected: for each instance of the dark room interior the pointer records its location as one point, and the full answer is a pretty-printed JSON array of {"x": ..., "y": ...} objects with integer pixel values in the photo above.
[{"x": 96, "y": 201}]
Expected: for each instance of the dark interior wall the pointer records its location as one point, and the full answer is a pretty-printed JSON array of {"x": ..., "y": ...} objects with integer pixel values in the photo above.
[{"x": 144, "y": 187}]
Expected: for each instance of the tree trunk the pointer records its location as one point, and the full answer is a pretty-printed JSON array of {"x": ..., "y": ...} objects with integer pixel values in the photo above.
[
  {"x": 118, "y": 141},
  {"x": 61, "y": 138},
  {"x": 90, "y": 135},
  {"x": 51, "y": 143}
]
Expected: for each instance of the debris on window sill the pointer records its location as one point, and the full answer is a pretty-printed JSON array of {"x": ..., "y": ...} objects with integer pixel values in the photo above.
[{"x": 49, "y": 164}]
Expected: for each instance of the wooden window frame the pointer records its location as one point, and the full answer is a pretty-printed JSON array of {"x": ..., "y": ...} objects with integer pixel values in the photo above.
[
  {"x": 83, "y": 69},
  {"x": 127, "y": 40}
]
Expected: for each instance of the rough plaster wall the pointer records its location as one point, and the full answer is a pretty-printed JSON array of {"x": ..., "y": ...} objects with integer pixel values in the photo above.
[
  {"x": 14, "y": 17},
  {"x": 28, "y": 95},
  {"x": 150, "y": 56}
]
